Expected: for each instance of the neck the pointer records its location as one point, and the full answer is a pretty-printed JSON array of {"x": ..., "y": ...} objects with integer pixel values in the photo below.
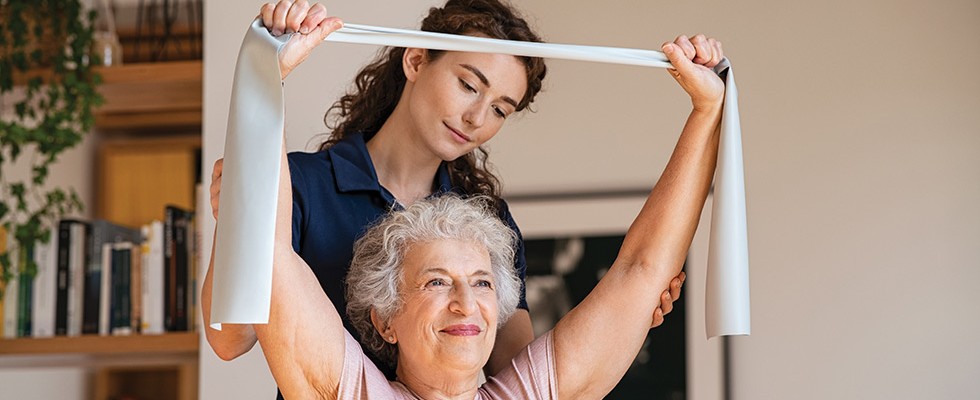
[
  {"x": 443, "y": 385},
  {"x": 405, "y": 167}
]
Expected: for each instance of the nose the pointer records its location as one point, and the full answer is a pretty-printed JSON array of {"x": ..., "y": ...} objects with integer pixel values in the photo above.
[
  {"x": 463, "y": 301},
  {"x": 475, "y": 115}
]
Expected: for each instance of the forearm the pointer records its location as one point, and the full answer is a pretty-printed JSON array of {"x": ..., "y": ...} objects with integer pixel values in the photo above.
[
  {"x": 661, "y": 234},
  {"x": 596, "y": 342},
  {"x": 232, "y": 340}
]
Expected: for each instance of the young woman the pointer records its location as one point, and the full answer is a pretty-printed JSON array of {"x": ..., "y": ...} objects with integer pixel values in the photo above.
[{"x": 412, "y": 127}]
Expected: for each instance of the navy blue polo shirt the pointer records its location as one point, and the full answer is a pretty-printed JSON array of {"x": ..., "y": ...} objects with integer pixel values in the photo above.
[{"x": 336, "y": 197}]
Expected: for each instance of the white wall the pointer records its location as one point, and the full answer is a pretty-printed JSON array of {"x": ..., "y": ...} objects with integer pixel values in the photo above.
[{"x": 862, "y": 157}]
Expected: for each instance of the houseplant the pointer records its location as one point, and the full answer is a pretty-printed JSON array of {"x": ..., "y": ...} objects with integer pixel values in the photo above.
[{"x": 45, "y": 75}]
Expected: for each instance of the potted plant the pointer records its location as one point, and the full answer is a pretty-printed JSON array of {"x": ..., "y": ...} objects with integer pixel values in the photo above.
[{"x": 45, "y": 75}]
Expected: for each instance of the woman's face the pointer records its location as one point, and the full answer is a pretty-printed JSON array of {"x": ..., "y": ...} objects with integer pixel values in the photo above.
[
  {"x": 460, "y": 100},
  {"x": 449, "y": 316}
]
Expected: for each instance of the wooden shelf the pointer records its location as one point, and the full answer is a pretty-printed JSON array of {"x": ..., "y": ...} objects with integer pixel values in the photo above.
[
  {"x": 170, "y": 343},
  {"x": 164, "y": 95}
]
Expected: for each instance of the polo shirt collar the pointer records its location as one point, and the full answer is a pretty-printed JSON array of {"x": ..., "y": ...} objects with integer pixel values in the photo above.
[{"x": 354, "y": 171}]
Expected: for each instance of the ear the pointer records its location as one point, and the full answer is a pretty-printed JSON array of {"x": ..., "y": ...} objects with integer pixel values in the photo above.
[
  {"x": 412, "y": 62},
  {"x": 383, "y": 328}
]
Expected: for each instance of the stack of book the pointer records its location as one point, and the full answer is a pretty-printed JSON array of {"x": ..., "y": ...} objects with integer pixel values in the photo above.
[{"x": 96, "y": 277}]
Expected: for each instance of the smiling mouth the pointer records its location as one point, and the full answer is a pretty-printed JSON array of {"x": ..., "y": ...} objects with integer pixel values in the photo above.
[
  {"x": 462, "y": 330},
  {"x": 459, "y": 136}
]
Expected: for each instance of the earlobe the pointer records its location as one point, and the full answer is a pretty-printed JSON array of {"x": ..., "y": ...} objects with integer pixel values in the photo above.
[
  {"x": 383, "y": 328},
  {"x": 412, "y": 62}
]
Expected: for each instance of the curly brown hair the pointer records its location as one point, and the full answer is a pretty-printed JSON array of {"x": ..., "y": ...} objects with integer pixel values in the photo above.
[{"x": 378, "y": 86}]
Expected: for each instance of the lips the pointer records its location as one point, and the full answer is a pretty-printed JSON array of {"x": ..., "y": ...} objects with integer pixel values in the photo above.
[
  {"x": 462, "y": 330},
  {"x": 459, "y": 136}
]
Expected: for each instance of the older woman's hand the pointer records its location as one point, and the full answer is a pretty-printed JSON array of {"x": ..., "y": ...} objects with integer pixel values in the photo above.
[
  {"x": 310, "y": 24},
  {"x": 668, "y": 298},
  {"x": 693, "y": 60}
]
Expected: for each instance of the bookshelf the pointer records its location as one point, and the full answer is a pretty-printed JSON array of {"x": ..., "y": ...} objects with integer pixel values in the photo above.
[
  {"x": 185, "y": 343},
  {"x": 148, "y": 138}
]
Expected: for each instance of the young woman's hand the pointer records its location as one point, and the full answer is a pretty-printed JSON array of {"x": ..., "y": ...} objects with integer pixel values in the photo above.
[
  {"x": 693, "y": 60},
  {"x": 667, "y": 299},
  {"x": 216, "y": 186},
  {"x": 310, "y": 24}
]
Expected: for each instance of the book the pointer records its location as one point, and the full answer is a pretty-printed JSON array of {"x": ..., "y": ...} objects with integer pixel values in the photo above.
[
  {"x": 10, "y": 308},
  {"x": 153, "y": 279},
  {"x": 119, "y": 271},
  {"x": 25, "y": 295},
  {"x": 45, "y": 284},
  {"x": 136, "y": 288},
  {"x": 78, "y": 236},
  {"x": 102, "y": 232},
  {"x": 176, "y": 265},
  {"x": 70, "y": 275}
]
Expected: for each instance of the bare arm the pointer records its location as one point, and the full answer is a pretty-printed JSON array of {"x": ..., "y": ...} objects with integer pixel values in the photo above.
[
  {"x": 596, "y": 342},
  {"x": 232, "y": 340},
  {"x": 304, "y": 340}
]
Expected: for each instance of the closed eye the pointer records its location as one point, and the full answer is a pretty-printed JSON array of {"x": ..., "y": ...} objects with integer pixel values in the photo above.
[
  {"x": 500, "y": 113},
  {"x": 467, "y": 86}
]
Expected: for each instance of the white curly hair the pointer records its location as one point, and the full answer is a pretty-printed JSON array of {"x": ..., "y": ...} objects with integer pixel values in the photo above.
[{"x": 376, "y": 274}]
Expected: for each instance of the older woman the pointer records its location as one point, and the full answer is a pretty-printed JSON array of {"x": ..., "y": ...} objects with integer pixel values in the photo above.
[{"x": 429, "y": 286}]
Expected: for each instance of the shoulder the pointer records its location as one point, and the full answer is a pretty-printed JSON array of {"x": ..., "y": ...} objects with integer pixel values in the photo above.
[
  {"x": 531, "y": 375},
  {"x": 302, "y": 163},
  {"x": 304, "y": 159},
  {"x": 361, "y": 378}
]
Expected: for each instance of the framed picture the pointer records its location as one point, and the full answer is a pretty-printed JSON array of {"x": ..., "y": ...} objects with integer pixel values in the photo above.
[{"x": 570, "y": 242}]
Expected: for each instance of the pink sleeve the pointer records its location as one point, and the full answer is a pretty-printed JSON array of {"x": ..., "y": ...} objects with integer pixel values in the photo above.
[
  {"x": 361, "y": 379},
  {"x": 531, "y": 374}
]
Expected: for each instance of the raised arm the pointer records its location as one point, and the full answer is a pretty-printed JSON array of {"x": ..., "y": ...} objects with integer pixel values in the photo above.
[
  {"x": 313, "y": 25},
  {"x": 304, "y": 339},
  {"x": 596, "y": 342}
]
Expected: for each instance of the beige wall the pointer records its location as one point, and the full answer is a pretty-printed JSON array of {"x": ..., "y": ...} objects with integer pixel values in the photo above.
[{"x": 862, "y": 155}]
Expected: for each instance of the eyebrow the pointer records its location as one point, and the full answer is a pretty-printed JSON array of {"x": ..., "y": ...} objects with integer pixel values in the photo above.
[
  {"x": 481, "y": 272},
  {"x": 483, "y": 78}
]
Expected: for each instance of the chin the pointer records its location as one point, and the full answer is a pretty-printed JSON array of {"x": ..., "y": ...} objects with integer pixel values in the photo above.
[
  {"x": 448, "y": 150},
  {"x": 468, "y": 358}
]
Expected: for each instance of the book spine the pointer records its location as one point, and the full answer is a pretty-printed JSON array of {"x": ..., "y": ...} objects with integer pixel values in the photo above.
[
  {"x": 170, "y": 270},
  {"x": 10, "y": 308},
  {"x": 136, "y": 288},
  {"x": 44, "y": 288},
  {"x": 76, "y": 278},
  {"x": 25, "y": 296},
  {"x": 153, "y": 304},
  {"x": 93, "y": 280},
  {"x": 61, "y": 289},
  {"x": 120, "y": 301},
  {"x": 105, "y": 294},
  {"x": 181, "y": 265}
]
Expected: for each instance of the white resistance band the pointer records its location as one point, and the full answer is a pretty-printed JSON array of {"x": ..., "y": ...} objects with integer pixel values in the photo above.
[{"x": 243, "y": 254}]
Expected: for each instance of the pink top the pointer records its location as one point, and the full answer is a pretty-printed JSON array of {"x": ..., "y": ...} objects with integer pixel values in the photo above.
[{"x": 531, "y": 376}]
